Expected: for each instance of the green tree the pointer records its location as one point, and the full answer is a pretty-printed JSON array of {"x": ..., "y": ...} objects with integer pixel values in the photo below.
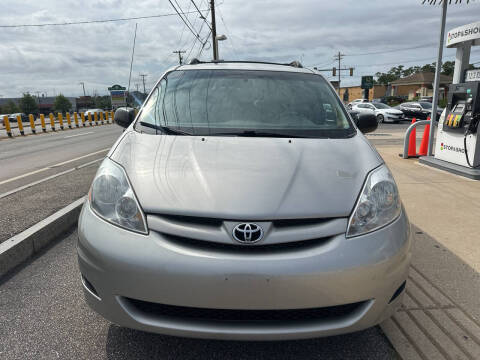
[
  {"x": 28, "y": 105},
  {"x": 448, "y": 67},
  {"x": 428, "y": 67},
  {"x": 103, "y": 102},
  {"x": 62, "y": 104},
  {"x": 10, "y": 108}
]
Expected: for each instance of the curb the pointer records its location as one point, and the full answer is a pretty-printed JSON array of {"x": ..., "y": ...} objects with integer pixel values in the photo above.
[{"x": 23, "y": 246}]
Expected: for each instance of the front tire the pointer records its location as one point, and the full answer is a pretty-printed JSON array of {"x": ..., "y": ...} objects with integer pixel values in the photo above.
[{"x": 380, "y": 118}]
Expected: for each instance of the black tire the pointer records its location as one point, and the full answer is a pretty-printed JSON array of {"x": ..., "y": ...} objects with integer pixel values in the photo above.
[{"x": 380, "y": 118}]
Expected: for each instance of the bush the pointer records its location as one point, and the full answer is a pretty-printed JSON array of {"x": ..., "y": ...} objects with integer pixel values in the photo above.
[{"x": 442, "y": 103}]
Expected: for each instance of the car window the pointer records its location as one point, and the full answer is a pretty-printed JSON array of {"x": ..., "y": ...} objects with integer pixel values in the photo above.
[
  {"x": 362, "y": 106},
  {"x": 148, "y": 111},
  {"x": 381, "y": 106},
  {"x": 216, "y": 101},
  {"x": 426, "y": 105}
]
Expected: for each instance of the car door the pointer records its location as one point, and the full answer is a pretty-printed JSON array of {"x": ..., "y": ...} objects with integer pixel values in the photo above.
[{"x": 417, "y": 111}]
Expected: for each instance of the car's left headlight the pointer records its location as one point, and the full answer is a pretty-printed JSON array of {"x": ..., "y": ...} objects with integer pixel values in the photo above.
[
  {"x": 112, "y": 198},
  {"x": 378, "y": 204}
]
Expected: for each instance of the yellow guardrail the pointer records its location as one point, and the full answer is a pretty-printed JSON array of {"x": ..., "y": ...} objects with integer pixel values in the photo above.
[
  {"x": 32, "y": 123},
  {"x": 42, "y": 121},
  {"x": 20, "y": 125},
  {"x": 6, "y": 123},
  {"x": 52, "y": 121},
  {"x": 79, "y": 119}
]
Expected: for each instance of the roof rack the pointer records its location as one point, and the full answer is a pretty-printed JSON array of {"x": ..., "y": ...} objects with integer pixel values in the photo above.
[{"x": 294, "y": 63}]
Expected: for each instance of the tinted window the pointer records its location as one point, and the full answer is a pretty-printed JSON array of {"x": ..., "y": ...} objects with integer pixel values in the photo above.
[
  {"x": 215, "y": 101},
  {"x": 381, "y": 106},
  {"x": 148, "y": 112},
  {"x": 426, "y": 105}
]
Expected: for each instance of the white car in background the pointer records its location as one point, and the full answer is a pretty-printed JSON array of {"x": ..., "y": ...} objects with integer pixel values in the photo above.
[
  {"x": 383, "y": 112},
  {"x": 356, "y": 102}
]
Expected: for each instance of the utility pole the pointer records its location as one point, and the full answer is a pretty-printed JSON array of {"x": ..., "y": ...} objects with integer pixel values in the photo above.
[
  {"x": 143, "y": 80},
  {"x": 83, "y": 86},
  {"x": 180, "y": 57},
  {"x": 214, "y": 30},
  {"x": 339, "y": 57}
]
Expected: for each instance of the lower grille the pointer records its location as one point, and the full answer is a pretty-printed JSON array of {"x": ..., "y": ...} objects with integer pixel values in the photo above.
[{"x": 245, "y": 316}]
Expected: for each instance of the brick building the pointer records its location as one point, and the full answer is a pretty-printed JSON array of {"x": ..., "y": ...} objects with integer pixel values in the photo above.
[
  {"x": 419, "y": 84},
  {"x": 356, "y": 92}
]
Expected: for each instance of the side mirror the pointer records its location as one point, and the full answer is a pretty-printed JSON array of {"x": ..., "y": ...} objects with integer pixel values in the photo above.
[
  {"x": 124, "y": 116},
  {"x": 365, "y": 122}
]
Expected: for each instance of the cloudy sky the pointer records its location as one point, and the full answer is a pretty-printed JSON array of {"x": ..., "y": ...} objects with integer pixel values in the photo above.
[{"x": 54, "y": 59}]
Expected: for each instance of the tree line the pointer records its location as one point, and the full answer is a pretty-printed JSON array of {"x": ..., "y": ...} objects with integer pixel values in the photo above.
[
  {"x": 29, "y": 105},
  {"x": 400, "y": 71}
]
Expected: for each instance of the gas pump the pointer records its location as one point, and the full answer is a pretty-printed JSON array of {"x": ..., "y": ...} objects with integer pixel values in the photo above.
[
  {"x": 457, "y": 146},
  {"x": 461, "y": 121}
]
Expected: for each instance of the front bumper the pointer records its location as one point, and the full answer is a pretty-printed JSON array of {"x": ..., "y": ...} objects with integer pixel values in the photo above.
[{"x": 121, "y": 268}]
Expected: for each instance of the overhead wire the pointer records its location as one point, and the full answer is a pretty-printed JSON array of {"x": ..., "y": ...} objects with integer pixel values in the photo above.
[
  {"x": 228, "y": 32},
  {"x": 204, "y": 18},
  {"x": 184, "y": 21},
  {"x": 67, "y": 23},
  {"x": 392, "y": 50}
]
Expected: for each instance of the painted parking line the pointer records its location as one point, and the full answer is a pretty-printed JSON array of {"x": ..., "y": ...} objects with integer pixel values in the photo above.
[
  {"x": 71, "y": 136},
  {"x": 52, "y": 166}
]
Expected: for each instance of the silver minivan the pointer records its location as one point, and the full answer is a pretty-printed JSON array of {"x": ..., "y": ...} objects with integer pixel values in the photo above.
[{"x": 244, "y": 202}]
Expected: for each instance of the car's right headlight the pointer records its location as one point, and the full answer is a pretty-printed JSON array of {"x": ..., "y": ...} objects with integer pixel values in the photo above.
[
  {"x": 378, "y": 205},
  {"x": 112, "y": 198}
]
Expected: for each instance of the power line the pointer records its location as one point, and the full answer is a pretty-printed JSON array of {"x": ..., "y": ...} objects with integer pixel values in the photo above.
[
  {"x": 185, "y": 22},
  {"x": 201, "y": 15},
  {"x": 392, "y": 50},
  {"x": 228, "y": 32},
  {"x": 94, "y": 21},
  {"x": 185, "y": 17}
]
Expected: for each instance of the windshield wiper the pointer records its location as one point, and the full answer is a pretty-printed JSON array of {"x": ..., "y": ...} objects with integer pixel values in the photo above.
[
  {"x": 165, "y": 129},
  {"x": 253, "y": 133}
]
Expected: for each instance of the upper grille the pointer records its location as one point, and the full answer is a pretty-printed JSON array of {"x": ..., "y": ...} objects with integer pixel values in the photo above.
[{"x": 218, "y": 233}]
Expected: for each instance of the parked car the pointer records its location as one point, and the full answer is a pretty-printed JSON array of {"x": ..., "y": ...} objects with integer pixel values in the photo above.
[
  {"x": 419, "y": 110},
  {"x": 426, "y": 99},
  {"x": 382, "y": 112},
  {"x": 356, "y": 101},
  {"x": 13, "y": 117},
  {"x": 243, "y": 202},
  {"x": 93, "y": 111}
]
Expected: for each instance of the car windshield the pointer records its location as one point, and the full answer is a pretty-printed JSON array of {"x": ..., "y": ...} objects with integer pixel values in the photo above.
[
  {"x": 248, "y": 103},
  {"x": 381, "y": 106},
  {"x": 426, "y": 105}
]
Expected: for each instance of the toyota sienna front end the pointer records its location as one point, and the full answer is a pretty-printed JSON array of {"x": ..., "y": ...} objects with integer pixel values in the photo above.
[{"x": 243, "y": 203}]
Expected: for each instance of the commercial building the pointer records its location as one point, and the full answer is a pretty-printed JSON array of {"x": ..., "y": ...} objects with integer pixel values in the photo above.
[
  {"x": 356, "y": 92},
  {"x": 419, "y": 84}
]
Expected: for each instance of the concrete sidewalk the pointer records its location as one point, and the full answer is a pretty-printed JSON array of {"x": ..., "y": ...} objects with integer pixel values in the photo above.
[
  {"x": 440, "y": 315},
  {"x": 445, "y": 206}
]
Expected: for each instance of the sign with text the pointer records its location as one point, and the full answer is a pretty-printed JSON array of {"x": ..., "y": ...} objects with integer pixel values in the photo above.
[
  {"x": 367, "y": 82},
  {"x": 472, "y": 75},
  {"x": 470, "y": 32},
  {"x": 118, "y": 95}
]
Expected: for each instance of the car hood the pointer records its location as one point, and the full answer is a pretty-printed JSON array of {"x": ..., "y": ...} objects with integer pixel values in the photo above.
[
  {"x": 248, "y": 178},
  {"x": 393, "y": 111}
]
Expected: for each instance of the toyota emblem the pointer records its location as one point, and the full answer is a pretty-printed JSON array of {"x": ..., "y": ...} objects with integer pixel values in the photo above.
[{"x": 247, "y": 233}]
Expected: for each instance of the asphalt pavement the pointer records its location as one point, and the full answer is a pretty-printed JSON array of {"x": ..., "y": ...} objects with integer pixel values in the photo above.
[
  {"x": 40, "y": 174},
  {"x": 44, "y": 316}
]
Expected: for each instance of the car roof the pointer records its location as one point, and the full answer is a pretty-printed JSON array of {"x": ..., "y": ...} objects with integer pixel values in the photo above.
[{"x": 246, "y": 65}]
